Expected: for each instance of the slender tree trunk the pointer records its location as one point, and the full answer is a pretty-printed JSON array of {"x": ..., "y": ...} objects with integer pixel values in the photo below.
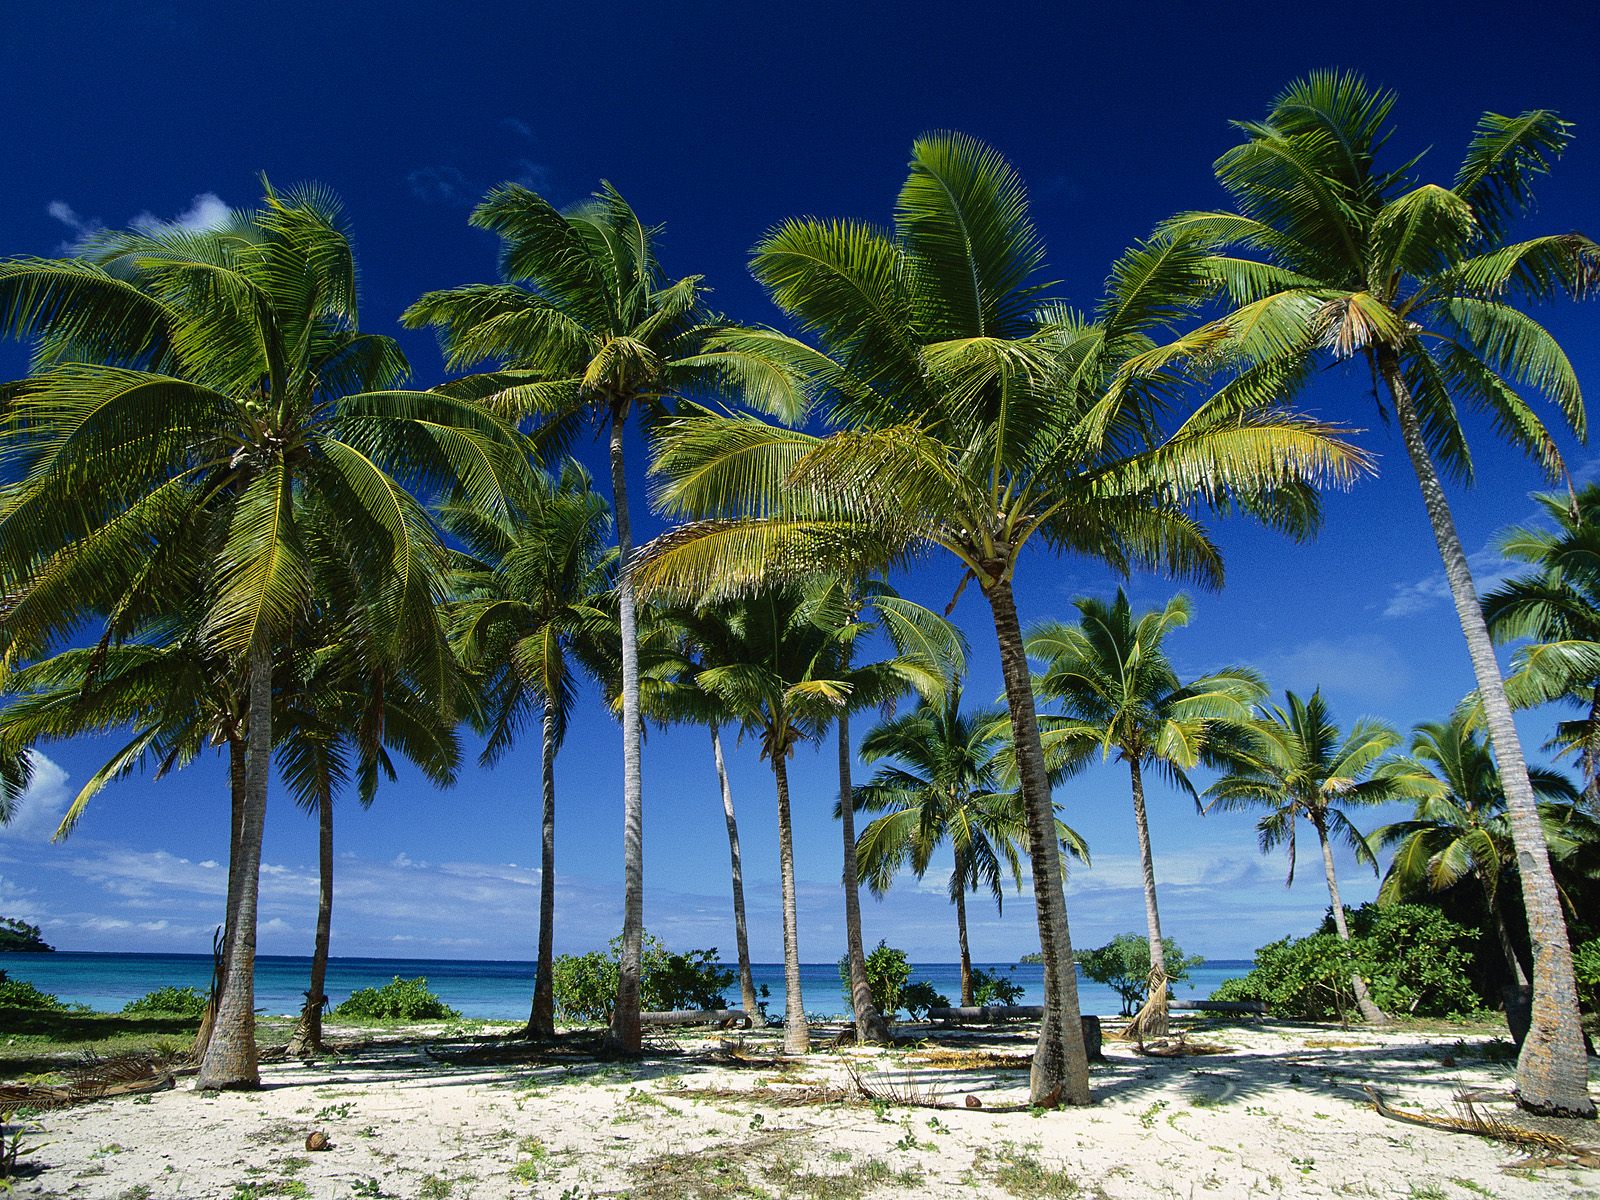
[
  {"x": 747, "y": 983},
  {"x": 871, "y": 1027},
  {"x": 1591, "y": 753},
  {"x": 1060, "y": 1071},
  {"x": 230, "y": 1057},
  {"x": 1518, "y": 995},
  {"x": 1553, "y": 1068},
  {"x": 1370, "y": 1012},
  {"x": 796, "y": 1034},
  {"x": 626, "y": 1033},
  {"x": 961, "y": 931},
  {"x": 542, "y": 1020},
  {"x": 236, "y": 794},
  {"x": 1152, "y": 1017},
  {"x": 1519, "y": 977},
  {"x": 307, "y": 1039}
]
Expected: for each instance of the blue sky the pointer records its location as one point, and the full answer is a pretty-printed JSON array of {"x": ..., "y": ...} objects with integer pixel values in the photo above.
[{"x": 719, "y": 120}]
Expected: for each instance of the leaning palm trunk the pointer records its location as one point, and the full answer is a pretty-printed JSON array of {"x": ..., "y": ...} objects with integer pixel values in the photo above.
[
  {"x": 1060, "y": 1070},
  {"x": 961, "y": 931},
  {"x": 796, "y": 1035},
  {"x": 1151, "y": 1019},
  {"x": 626, "y": 1032},
  {"x": 306, "y": 1040},
  {"x": 230, "y": 1057},
  {"x": 871, "y": 1027},
  {"x": 542, "y": 1020},
  {"x": 1552, "y": 1068},
  {"x": 223, "y": 942},
  {"x": 1370, "y": 1012},
  {"x": 747, "y": 983}
]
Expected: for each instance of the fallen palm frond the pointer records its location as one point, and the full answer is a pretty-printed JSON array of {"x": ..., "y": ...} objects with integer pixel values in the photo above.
[
  {"x": 94, "y": 1079},
  {"x": 972, "y": 1060},
  {"x": 1151, "y": 1021},
  {"x": 1486, "y": 1125},
  {"x": 1178, "y": 1047},
  {"x": 781, "y": 1096}
]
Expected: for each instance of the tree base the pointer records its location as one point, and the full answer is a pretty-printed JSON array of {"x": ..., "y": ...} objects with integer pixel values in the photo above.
[{"x": 1555, "y": 1110}]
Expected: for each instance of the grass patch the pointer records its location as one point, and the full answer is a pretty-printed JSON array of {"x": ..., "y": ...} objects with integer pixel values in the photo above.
[
  {"x": 1019, "y": 1173},
  {"x": 859, "y": 1178}
]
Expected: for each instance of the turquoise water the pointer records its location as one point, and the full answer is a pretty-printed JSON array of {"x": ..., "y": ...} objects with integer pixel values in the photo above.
[{"x": 491, "y": 990}]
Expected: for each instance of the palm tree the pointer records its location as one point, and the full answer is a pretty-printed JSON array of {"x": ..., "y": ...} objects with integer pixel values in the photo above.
[
  {"x": 979, "y": 418},
  {"x": 1461, "y": 828},
  {"x": 1119, "y": 693},
  {"x": 1557, "y": 605},
  {"x": 1329, "y": 253},
  {"x": 528, "y": 601},
  {"x": 943, "y": 785},
  {"x": 1301, "y": 766},
  {"x": 587, "y": 327},
  {"x": 206, "y": 394}
]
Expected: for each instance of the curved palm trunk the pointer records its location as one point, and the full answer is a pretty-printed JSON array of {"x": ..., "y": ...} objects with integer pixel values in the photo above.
[
  {"x": 796, "y": 1034},
  {"x": 747, "y": 984},
  {"x": 542, "y": 1020},
  {"x": 1552, "y": 1068},
  {"x": 1151, "y": 1020},
  {"x": 1370, "y": 1012},
  {"x": 961, "y": 931},
  {"x": 626, "y": 1032},
  {"x": 1518, "y": 994},
  {"x": 870, "y": 1023},
  {"x": 230, "y": 1057},
  {"x": 307, "y": 1039},
  {"x": 1060, "y": 1071},
  {"x": 236, "y": 793}
]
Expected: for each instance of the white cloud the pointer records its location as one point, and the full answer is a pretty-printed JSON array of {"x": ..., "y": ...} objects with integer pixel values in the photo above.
[
  {"x": 1364, "y": 666},
  {"x": 40, "y": 807},
  {"x": 206, "y": 211}
]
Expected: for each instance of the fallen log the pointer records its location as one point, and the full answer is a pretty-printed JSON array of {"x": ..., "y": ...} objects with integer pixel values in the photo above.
[
  {"x": 722, "y": 1018},
  {"x": 1252, "y": 1007},
  {"x": 989, "y": 1014}
]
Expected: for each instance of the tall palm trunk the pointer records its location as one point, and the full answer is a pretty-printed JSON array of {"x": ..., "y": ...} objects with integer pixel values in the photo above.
[
  {"x": 542, "y": 1020},
  {"x": 236, "y": 794},
  {"x": 1552, "y": 1068},
  {"x": 307, "y": 1039},
  {"x": 870, "y": 1023},
  {"x": 230, "y": 1057},
  {"x": 1060, "y": 1070},
  {"x": 961, "y": 930},
  {"x": 626, "y": 1032},
  {"x": 747, "y": 983},
  {"x": 1151, "y": 1020},
  {"x": 1370, "y": 1012},
  {"x": 796, "y": 1035}
]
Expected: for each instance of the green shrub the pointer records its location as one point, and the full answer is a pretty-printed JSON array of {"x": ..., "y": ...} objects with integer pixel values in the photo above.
[
  {"x": 991, "y": 987},
  {"x": 1586, "y": 966},
  {"x": 918, "y": 997},
  {"x": 1416, "y": 962},
  {"x": 1123, "y": 965},
  {"x": 585, "y": 985},
  {"x": 180, "y": 1001},
  {"x": 19, "y": 993},
  {"x": 888, "y": 972},
  {"x": 397, "y": 1000}
]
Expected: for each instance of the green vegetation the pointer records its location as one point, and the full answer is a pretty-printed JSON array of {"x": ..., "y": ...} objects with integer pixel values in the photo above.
[
  {"x": 18, "y": 937},
  {"x": 19, "y": 993},
  {"x": 1123, "y": 964},
  {"x": 585, "y": 985},
  {"x": 991, "y": 987},
  {"x": 181, "y": 1001},
  {"x": 888, "y": 973},
  {"x": 1586, "y": 963},
  {"x": 397, "y": 1000}
]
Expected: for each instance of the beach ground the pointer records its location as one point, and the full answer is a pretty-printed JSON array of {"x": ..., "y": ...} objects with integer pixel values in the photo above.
[{"x": 1279, "y": 1109}]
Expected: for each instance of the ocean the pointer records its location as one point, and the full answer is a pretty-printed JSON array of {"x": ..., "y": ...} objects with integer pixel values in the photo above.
[{"x": 491, "y": 990}]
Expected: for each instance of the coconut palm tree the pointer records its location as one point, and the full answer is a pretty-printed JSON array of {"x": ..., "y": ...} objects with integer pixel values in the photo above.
[
  {"x": 1461, "y": 829},
  {"x": 1557, "y": 605},
  {"x": 587, "y": 327},
  {"x": 1333, "y": 251},
  {"x": 942, "y": 784},
  {"x": 529, "y": 604},
  {"x": 210, "y": 394},
  {"x": 1301, "y": 766},
  {"x": 977, "y": 417},
  {"x": 1118, "y": 692}
]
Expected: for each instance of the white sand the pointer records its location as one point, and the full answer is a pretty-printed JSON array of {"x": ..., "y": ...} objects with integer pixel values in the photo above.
[{"x": 1280, "y": 1114}]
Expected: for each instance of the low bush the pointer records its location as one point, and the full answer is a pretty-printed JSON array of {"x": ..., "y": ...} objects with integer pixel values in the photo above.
[
  {"x": 19, "y": 993},
  {"x": 179, "y": 1001},
  {"x": 1586, "y": 966},
  {"x": 585, "y": 985},
  {"x": 1123, "y": 965},
  {"x": 888, "y": 972},
  {"x": 919, "y": 996},
  {"x": 1415, "y": 960},
  {"x": 991, "y": 987},
  {"x": 397, "y": 1000}
]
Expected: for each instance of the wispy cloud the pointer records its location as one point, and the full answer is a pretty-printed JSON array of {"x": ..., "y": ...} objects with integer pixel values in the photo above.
[
  {"x": 205, "y": 211},
  {"x": 1366, "y": 667},
  {"x": 41, "y": 807},
  {"x": 1489, "y": 568}
]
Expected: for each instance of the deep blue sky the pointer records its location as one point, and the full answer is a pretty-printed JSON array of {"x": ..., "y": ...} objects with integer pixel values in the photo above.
[{"x": 719, "y": 120}]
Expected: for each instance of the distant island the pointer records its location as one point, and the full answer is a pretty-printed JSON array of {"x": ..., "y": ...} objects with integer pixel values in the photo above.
[
  {"x": 1036, "y": 959},
  {"x": 20, "y": 937}
]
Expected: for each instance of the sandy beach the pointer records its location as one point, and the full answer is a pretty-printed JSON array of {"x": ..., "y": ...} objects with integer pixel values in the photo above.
[{"x": 1278, "y": 1110}]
